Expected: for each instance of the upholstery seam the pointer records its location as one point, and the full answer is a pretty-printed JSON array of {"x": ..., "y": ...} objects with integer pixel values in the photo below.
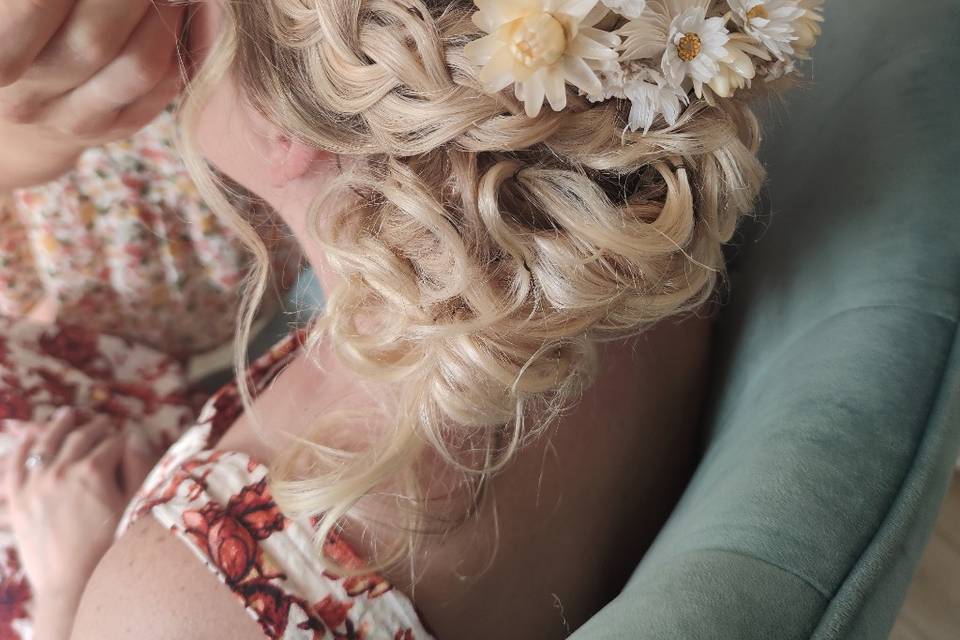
[
  {"x": 909, "y": 478},
  {"x": 807, "y": 581}
]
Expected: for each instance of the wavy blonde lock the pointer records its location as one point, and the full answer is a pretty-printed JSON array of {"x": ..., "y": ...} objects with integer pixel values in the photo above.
[{"x": 483, "y": 255}]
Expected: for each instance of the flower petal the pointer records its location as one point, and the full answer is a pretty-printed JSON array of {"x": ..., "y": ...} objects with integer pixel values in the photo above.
[
  {"x": 642, "y": 114},
  {"x": 498, "y": 74},
  {"x": 579, "y": 9},
  {"x": 532, "y": 93},
  {"x": 579, "y": 74},
  {"x": 629, "y": 9},
  {"x": 495, "y": 13},
  {"x": 598, "y": 13},
  {"x": 481, "y": 51},
  {"x": 645, "y": 37},
  {"x": 741, "y": 63},
  {"x": 721, "y": 86},
  {"x": 605, "y": 38},
  {"x": 584, "y": 47},
  {"x": 677, "y": 7},
  {"x": 556, "y": 89}
]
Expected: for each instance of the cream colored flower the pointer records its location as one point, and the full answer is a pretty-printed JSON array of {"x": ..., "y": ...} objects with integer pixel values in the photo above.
[
  {"x": 651, "y": 96},
  {"x": 649, "y": 93},
  {"x": 808, "y": 27},
  {"x": 627, "y": 8},
  {"x": 737, "y": 70},
  {"x": 770, "y": 22},
  {"x": 679, "y": 36},
  {"x": 539, "y": 46},
  {"x": 645, "y": 37}
]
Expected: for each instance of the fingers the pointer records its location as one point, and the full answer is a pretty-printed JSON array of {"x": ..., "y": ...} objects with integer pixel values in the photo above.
[
  {"x": 109, "y": 453},
  {"x": 127, "y": 121},
  {"x": 18, "y": 428},
  {"x": 95, "y": 449},
  {"x": 137, "y": 463},
  {"x": 4, "y": 469},
  {"x": 62, "y": 423},
  {"x": 26, "y": 26},
  {"x": 139, "y": 114},
  {"x": 146, "y": 63},
  {"x": 4, "y": 500},
  {"x": 15, "y": 473},
  {"x": 79, "y": 443},
  {"x": 92, "y": 35}
]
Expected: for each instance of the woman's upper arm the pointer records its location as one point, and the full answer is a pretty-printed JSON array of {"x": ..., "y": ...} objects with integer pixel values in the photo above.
[{"x": 151, "y": 586}]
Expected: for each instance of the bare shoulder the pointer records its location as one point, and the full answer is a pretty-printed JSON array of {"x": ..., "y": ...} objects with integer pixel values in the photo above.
[{"x": 151, "y": 586}]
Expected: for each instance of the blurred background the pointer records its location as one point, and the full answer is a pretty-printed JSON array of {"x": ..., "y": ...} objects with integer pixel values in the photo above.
[{"x": 932, "y": 609}]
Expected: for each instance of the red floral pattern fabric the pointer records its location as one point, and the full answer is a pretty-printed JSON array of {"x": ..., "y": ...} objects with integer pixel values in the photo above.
[
  {"x": 219, "y": 504},
  {"x": 15, "y": 596},
  {"x": 125, "y": 246},
  {"x": 44, "y": 367}
]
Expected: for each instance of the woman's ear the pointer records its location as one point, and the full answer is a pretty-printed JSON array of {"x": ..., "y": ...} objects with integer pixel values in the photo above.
[{"x": 290, "y": 160}]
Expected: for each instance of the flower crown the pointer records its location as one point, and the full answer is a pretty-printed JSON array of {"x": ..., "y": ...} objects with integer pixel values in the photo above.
[{"x": 650, "y": 52}]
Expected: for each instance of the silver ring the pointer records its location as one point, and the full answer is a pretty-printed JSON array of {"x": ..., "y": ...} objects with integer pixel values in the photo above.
[{"x": 34, "y": 460}]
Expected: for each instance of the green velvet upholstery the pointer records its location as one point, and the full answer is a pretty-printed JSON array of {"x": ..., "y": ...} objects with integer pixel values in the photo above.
[{"x": 834, "y": 417}]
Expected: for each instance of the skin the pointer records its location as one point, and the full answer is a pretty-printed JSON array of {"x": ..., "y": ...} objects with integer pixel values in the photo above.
[
  {"x": 73, "y": 74},
  {"x": 558, "y": 542},
  {"x": 64, "y": 512},
  {"x": 76, "y": 74}
]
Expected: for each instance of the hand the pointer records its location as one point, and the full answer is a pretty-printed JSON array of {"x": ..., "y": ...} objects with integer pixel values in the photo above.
[
  {"x": 78, "y": 73},
  {"x": 64, "y": 510}
]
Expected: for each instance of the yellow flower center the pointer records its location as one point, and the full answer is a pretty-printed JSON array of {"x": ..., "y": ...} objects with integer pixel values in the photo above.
[
  {"x": 689, "y": 47},
  {"x": 538, "y": 41},
  {"x": 758, "y": 11}
]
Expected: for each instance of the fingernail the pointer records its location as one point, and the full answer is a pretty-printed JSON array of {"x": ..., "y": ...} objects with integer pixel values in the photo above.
[{"x": 63, "y": 412}]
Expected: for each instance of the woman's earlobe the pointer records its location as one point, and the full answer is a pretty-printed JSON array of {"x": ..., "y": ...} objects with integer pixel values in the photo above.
[{"x": 290, "y": 160}]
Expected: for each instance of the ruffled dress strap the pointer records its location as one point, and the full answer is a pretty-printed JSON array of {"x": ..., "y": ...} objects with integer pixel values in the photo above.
[{"x": 219, "y": 504}]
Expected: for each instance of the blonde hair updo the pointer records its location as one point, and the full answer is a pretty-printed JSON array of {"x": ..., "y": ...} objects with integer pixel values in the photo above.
[{"x": 483, "y": 254}]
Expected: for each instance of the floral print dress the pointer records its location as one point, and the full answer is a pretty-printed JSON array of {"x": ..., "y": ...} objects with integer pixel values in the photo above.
[
  {"x": 43, "y": 367},
  {"x": 144, "y": 277},
  {"x": 125, "y": 245},
  {"x": 218, "y": 503}
]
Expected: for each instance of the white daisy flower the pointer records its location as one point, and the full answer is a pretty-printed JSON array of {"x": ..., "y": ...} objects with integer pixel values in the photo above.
[
  {"x": 770, "y": 22},
  {"x": 737, "y": 70},
  {"x": 691, "y": 45},
  {"x": 696, "y": 46},
  {"x": 629, "y": 9},
  {"x": 650, "y": 96},
  {"x": 808, "y": 27},
  {"x": 645, "y": 37},
  {"x": 539, "y": 46}
]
